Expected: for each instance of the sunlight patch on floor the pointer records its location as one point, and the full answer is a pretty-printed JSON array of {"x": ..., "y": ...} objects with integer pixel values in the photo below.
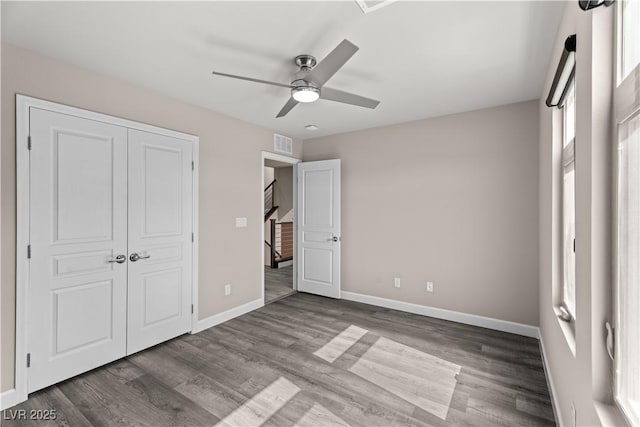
[
  {"x": 319, "y": 416},
  {"x": 413, "y": 375},
  {"x": 340, "y": 343},
  {"x": 263, "y": 405}
]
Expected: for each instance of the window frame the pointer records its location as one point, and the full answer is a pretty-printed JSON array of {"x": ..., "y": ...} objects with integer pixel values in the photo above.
[
  {"x": 626, "y": 103},
  {"x": 567, "y": 166}
]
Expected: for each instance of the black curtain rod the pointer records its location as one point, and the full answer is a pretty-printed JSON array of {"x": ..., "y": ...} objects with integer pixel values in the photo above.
[
  {"x": 564, "y": 74},
  {"x": 592, "y": 4}
]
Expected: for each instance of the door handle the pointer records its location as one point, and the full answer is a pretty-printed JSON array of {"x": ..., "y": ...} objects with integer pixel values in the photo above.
[
  {"x": 119, "y": 259},
  {"x": 334, "y": 239},
  {"x": 135, "y": 257}
]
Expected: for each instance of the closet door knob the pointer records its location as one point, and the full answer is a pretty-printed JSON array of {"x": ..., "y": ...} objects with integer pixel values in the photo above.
[
  {"x": 119, "y": 259},
  {"x": 135, "y": 257}
]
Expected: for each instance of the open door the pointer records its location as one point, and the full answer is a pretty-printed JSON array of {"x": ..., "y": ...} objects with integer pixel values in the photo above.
[{"x": 319, "y": 228}]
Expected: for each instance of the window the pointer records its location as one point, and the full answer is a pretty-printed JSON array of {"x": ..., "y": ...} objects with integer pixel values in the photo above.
[
  {"x": 630, "y": 55},
  {"x": 627, "y": 125},
  {"x": 569, "y": 202},
  {"x": 628, "y": 351}
]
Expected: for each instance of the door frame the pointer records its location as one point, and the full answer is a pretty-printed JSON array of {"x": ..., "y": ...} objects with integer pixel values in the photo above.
[
  {"x": 293, "y": 161},
  {"x": 23, "y": 104}
]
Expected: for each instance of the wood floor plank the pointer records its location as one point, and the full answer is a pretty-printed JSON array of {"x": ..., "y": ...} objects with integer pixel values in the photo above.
[
  {"x": 388, "y": 376},
  {"x": 323, "y": 381},
  {"x": 215, "y": 397},
  {"x": 318, "y": 416},
  {"x": 289, "y": 414},
  {"x": 124, "y": 370},
  {"x": 344, "y": 383},
  {"x": 179, "y": 409},
  {"x": 161, "y": 363},
  {"x": 502, "y": 415},
  {"x": 104, "y": 401},
  {"x": 535, "y": 406},
  {"x": 65, "y": 412},
  {"x": 278, "y": 283},
  {"x": 340, "y": 343},
  {"x": 255, "y": 411}
]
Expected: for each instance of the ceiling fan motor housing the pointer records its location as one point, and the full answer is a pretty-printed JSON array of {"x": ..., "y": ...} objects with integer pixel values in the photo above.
[{"x": 305, "y": 62}]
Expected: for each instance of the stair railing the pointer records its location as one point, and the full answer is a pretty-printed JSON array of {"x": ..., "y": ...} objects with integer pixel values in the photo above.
[
  {"x": 281, "y": 242},
  {"x": 269, "y": 199}
]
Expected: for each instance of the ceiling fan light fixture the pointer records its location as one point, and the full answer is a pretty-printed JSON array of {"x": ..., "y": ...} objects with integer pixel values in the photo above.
[{"x": 305, "y": 93}]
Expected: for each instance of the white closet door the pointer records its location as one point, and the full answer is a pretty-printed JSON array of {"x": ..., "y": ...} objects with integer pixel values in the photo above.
[
  {"x": 160, "y": 245},
  {"x": 77, "y": 297},
  {"x": 319, "y": 228}
]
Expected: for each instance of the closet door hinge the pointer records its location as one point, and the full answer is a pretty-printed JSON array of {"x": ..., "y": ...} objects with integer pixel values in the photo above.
[
  {"x": 28, "y": 360},
  {"x": 193, "y": 165},
  {"x": 28, "y": 251},
  {"x": 193, "y": 237},
  {"x": 29, "y": 142},
  {"x": 191, "y": 308}
]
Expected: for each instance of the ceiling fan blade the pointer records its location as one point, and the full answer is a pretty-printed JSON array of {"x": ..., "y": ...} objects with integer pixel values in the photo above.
[
  {"x": 333, "y": 62},
  {"x": 267, "y": 82},
  {"x": 287, "y": 107},
  {"x": 347, "y": 98}
]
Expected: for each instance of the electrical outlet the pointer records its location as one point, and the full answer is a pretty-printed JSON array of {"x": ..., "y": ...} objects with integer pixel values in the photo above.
[
  {"x": 573, "y": 415},
  {"x": 396, "y": 282},
  {"x": 429, "y": 286},
  {"x": 227, "y": 289}
]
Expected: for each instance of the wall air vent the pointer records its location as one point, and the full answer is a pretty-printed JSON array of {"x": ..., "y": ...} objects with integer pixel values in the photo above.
[
  {"x": 282, "y": 144},
  {"x": 372, "y": 5}
]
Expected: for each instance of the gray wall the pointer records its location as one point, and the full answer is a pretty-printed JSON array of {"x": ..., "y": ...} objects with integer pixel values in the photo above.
[
  {"x": 230, "y": 168},
  {"x": 453, "y": 200},
  {"x": 284, "y": 192}
]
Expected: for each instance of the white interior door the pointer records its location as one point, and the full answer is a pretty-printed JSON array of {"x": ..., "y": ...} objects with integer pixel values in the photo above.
[
  {"x": 78, "y": 225},
  {"x": 160, "y": 239},
  {"x": 319, "y": 228}
]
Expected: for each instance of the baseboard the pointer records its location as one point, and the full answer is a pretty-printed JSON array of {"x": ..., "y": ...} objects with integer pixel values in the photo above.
[
  {"x": 216, "y": 319},
  {"x": 8, "y": 399},
  {"x": 550, "y": 386},
  {"x": 439, "y": 313}
]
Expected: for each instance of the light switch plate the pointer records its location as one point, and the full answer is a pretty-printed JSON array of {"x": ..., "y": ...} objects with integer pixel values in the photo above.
[{"x": 241, "y": 222}]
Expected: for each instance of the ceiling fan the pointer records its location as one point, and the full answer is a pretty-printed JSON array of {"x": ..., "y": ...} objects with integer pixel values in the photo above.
[{"x": 308, "y": 83}]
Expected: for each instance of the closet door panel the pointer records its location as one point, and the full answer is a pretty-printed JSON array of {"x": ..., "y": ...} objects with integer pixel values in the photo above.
[
  {"x": 78, "y": 225},
  {"x": 160, "y": 246}
]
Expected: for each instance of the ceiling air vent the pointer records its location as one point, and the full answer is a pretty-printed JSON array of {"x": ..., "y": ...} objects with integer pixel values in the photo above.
[
  {"x": 372, "y": 5},
  {"x": 282, "y": 144}
]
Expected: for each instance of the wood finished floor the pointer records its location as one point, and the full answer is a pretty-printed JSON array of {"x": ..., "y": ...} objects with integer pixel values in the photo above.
[
  {"x": 278, "y": 283},
  {"x": 312, "y": 361}
]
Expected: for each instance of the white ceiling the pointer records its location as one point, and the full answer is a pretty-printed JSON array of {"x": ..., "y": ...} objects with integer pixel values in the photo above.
[{"x": 420, "y": 59}]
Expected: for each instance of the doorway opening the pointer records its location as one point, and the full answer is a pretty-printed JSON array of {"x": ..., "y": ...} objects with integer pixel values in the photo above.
[{"x": 279, "y": 207}]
